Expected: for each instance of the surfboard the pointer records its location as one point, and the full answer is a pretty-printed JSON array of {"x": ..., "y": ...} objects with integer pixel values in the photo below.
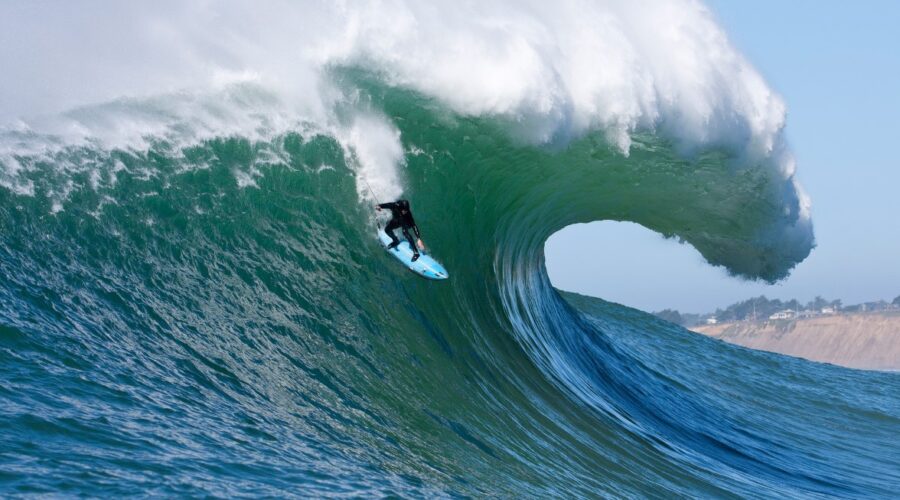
[{"x": 424, "y": 266}]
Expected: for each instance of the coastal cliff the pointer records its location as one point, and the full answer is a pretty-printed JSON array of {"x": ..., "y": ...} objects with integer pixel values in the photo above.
[{"x": 865, "y": 340}]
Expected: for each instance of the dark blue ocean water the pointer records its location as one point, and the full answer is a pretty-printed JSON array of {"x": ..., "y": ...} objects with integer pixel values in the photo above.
[{"x": 219, "y": 319}]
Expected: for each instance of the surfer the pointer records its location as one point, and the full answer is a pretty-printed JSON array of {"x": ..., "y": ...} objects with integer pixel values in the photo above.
[{"x": 401, "y": 217}]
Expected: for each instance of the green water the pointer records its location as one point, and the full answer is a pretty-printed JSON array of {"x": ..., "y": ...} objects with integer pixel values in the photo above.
[{"x": 218, "y": 319}]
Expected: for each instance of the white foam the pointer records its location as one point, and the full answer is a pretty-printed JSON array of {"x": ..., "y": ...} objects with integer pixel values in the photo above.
[
  {"x": 554, "y": 70},
  {"x": 374, "y": 145}
]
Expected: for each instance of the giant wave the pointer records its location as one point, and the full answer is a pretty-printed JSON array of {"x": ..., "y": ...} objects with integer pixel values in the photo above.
[{"x": 194, "y": 302}]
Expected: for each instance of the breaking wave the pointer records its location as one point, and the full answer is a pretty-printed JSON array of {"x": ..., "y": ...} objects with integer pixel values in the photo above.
[{"x": 195, "y": 302}]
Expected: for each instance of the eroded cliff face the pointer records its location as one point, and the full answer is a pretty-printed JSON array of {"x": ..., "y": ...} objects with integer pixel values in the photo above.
[{"x": 868, "y": 341}]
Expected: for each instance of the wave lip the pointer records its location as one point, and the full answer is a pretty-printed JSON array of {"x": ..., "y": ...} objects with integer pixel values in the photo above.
[{"x": 555, "y": 73}]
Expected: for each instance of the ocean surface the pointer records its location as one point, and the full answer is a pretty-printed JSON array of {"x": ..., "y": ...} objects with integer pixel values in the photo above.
[{"x": 194, "y": 309}]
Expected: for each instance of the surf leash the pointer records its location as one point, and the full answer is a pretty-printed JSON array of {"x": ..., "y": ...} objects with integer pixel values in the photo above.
[{"x": 371, "y": 191}]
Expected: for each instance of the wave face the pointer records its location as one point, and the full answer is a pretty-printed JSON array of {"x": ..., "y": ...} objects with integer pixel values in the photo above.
[{"x": 194, "y": 301}]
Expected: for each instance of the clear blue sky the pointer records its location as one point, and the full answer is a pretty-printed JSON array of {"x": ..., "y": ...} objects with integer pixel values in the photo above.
[{"x": 837, "y": 65}]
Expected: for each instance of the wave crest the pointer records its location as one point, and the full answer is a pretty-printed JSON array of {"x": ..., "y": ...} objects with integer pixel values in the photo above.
[{"x": 552, "y": 72}]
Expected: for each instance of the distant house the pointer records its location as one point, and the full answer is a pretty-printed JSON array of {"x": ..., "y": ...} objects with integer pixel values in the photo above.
[
  {"x": 786, "y": 314},
  {"x": 828, "y": 310},
  {"x": 711, "y": 320}
]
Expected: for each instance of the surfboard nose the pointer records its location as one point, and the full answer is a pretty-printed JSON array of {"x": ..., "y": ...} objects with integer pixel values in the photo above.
[{"x": 439, "y": 274}]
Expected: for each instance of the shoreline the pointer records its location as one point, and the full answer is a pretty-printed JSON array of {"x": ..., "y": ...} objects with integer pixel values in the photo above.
[{"x": 864, "y": 340}]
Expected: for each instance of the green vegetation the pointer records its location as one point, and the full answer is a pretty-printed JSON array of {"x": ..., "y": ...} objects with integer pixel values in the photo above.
[
  {"x": 760, "y": 308},
  {"x": 671, "y": 316}
]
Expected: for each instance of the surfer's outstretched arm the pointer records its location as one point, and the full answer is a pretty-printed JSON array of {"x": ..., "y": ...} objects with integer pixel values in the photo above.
[
  {"x": 415, "y": 228},
  {"x": 418, "y": 237},
  {"x": 389, "y": 205}
]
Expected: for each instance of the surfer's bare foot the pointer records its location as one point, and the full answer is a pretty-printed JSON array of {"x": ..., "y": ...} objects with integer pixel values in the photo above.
[{"x": 415, "y": 257}]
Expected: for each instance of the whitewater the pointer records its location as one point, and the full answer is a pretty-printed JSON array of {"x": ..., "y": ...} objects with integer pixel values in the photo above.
[{"x": 194, "y": 301}]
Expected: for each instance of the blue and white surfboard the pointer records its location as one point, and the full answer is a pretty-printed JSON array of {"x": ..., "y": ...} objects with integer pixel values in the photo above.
[{"x": 424, "y": 266}]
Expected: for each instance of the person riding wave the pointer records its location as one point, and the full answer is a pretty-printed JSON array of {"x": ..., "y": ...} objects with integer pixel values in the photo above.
[{"x": 401, "y": 217}]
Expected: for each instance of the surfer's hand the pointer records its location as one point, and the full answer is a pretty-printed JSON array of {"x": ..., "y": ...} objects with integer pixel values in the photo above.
[
  {"x": 377, "y": 208},
  {"x": 421, "y": 245}
]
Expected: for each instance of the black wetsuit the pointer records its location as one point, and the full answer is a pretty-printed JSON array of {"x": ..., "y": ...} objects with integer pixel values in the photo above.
[{"x": 401, "y": 218}]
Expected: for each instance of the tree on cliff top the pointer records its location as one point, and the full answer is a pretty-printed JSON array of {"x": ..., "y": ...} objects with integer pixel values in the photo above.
[
  {"x": 670, "y": 315},
  {"x": 896, "y": 301}
]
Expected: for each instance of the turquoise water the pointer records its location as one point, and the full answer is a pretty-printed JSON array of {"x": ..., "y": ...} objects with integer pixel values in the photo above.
[{"x": 218, "y": 319}]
